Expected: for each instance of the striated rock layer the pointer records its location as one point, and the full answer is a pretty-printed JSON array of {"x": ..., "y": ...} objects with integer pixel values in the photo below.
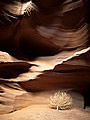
[{"x": 46, "y": 48}]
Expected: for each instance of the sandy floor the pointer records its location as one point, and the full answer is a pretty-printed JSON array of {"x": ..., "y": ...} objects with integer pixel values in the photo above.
[
  {"x": 39, "y": 109},
  {"x": 43, "y": 112}
]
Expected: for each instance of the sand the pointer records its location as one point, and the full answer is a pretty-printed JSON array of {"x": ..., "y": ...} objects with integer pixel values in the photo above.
[
  {"x": 39, "y": 109},
  {"x": 43, "y": 112}
]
